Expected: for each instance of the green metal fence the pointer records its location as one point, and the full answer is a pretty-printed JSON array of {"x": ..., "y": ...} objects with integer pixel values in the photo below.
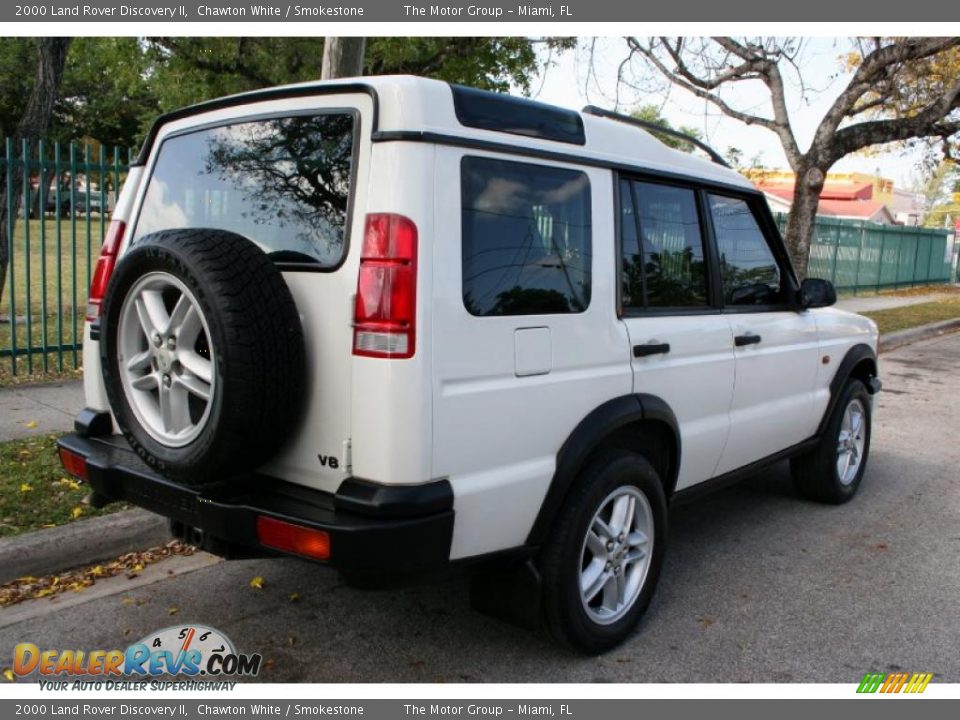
[
  {"x": 66, "y": 194},
  {"x": 856, "y": 255}
]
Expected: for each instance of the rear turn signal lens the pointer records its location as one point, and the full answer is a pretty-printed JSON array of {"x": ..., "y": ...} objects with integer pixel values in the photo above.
[
  {"x": 104, "y": 269},
  {"x": 385, "y": 313},
  {"x": 296, "y": 539},
  {"x": 73, "y": 463}
]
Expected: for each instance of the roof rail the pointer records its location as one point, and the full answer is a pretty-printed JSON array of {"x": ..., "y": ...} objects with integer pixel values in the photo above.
[{"x": 653, "y": 127}]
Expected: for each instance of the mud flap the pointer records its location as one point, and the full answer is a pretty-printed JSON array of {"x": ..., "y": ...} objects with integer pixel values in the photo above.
[{"x": 511, "y": 593}]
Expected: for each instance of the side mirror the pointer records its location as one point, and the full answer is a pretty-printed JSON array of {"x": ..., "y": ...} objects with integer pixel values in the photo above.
[{"x": 816, "y": 293}]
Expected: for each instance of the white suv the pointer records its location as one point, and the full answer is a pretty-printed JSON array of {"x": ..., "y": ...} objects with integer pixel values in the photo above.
[{"x": 401, "y": 327}]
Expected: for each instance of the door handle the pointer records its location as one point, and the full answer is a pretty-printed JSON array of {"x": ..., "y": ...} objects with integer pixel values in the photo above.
[
  {"x": 651, "y": 349},
  {"x": 741, "y": 340}
]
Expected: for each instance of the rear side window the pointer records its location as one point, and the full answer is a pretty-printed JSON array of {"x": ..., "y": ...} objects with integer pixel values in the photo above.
[
  {"x": 284, "y": 183},
  {"x": 526, "y": 233}
]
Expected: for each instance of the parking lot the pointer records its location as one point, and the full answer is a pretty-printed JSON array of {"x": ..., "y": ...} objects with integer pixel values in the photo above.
[{"x": 759, "y": 585}]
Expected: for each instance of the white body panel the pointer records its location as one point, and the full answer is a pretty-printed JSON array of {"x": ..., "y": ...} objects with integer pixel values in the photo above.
[
  {"x": 391, "y": 398},
  {"x": 695, "y": 379},
  {"x": 772, "y": 406}
]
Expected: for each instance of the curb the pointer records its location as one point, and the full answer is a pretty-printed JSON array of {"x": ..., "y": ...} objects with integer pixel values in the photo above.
[
  {"x": 894, "y": 340},
  {"x": 45, "y": 552}
]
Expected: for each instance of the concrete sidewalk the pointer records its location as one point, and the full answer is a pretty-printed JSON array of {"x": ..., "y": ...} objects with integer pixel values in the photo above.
[
  {"x": 886, "y": 302},
  {"x": 41, "y": 409}
]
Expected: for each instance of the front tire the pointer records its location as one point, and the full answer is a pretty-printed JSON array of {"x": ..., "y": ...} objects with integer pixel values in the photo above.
[
  {"x": 832, "y": 472},
  {"x": 602, "y": 562}
]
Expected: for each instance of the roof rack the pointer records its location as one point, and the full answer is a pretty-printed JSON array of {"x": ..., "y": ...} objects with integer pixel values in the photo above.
[{"x": 653, "y": 127}]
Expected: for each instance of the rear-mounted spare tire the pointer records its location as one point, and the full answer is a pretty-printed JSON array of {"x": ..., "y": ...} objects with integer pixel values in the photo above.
[{"x": 202, "y": 353}]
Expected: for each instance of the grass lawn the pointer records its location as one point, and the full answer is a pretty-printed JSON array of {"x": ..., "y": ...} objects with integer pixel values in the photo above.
[
  {"x": 914, "y": 315},
  {"x": 43, "y": 254},
  {"x": 35, "y": 492},
  {"x": 53, "y": 293}
]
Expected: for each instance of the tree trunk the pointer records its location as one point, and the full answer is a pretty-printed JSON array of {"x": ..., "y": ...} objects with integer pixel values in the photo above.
[
  {"x": 33, "y": 125},
  {"x": 803, "y": 213},
  {"x": 342, "y": 57}
]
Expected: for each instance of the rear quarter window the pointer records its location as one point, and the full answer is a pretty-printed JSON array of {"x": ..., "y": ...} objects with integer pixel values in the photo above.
[
  {"x": 284, "y": 183},
  {"x": 526, "y": 232}
]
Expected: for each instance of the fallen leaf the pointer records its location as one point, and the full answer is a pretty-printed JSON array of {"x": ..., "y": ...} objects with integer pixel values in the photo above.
[
  {"x": 32, "y": 424},
  {"x": 173, "y": 611},
  {"x": 8, "y": 674},
  {"x": 76, "y": 512},
  {"x": 291, "y": 641},
  {"x": 26, "y": 487},
  {"x": 293, "y": 597},
  {"x": 257, "y": 583},
  {"x": 705, "y": 621},
  {"x": 29, "y": 587}
]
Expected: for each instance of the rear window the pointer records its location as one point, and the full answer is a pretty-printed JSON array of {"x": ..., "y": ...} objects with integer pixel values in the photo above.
[{"x": 284, "y": 183}]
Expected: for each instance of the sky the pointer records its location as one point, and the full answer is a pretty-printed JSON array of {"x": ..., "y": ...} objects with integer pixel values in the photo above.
[{"x": 571, "y": 84}]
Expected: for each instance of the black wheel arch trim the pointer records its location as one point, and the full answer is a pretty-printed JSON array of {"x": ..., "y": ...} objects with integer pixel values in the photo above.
[
  {"x": 859, "y": 354},
  {"x": 589, "y": 434}
]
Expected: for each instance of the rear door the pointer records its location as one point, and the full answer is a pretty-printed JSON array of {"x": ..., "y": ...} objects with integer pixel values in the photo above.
[
  {"x": 285, "y": 174},
  {"x": 777, "y": 349},
  {"x": 682, "y": 349}
]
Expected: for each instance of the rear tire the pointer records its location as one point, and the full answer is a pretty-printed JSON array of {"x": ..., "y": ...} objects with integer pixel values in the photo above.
[
  {"x": 601, "y": 564},
  {"x": 833, "y": 470},
  {"x": 202, "y": 353}
]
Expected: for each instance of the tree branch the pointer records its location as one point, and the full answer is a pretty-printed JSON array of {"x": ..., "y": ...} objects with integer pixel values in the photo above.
[{"x": 757, "y": 66}]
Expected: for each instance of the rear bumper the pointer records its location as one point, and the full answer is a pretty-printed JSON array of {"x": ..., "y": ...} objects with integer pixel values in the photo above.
[{"x": 376, "y": 532}]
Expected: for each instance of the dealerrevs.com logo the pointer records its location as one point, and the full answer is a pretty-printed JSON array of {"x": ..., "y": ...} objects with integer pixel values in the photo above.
[
  {"x": 897, "y": 682},
  {"x": 191, "y": 651}
]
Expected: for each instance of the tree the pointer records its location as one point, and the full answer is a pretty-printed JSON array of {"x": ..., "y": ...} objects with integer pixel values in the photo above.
[
  {"x": 651, "y": 114},
  {"x": 941, "y": 192},
  {"x": 51, "y": 56},
  {"x": 107, "y": 93},
  {"x": 187, "y": 70},
  {"x": 899, "y": 90},
  {"x": 342, "y": 57}
]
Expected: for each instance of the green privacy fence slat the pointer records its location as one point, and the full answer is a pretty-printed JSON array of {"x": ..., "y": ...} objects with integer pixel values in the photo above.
[
  {"x": 66, "y": 192},
  {"x": 856, "y": 255}
]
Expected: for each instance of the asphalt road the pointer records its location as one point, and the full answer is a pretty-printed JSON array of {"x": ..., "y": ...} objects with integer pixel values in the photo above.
[{"x": 759, "y": 585}]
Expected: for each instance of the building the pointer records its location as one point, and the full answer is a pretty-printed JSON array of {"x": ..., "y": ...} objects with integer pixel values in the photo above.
[{"x": 851, "y": 196}]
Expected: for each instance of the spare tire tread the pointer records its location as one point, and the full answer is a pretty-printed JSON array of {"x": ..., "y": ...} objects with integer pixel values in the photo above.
[{"x": 259, "y": 348}]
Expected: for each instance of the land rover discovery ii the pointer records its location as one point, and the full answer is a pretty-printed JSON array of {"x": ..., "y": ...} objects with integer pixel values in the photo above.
[{"x": 399, "y": 326}]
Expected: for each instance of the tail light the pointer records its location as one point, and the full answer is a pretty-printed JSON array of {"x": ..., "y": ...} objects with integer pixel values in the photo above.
[
  {"x": 384, "y": 318},
  {"x": 104, "y": 269}
]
